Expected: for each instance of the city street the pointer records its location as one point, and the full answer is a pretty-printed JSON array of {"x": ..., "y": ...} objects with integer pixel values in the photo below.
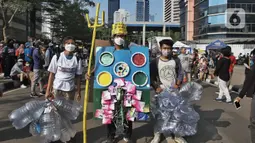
[{"x": 220, "y": 122}]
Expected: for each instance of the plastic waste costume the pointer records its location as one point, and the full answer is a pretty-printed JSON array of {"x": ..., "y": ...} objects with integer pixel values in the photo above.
[
  {"x": 49, "y": 120},
  {"x": 121, "y": 85},
  {"x": 173, "y": 111}
]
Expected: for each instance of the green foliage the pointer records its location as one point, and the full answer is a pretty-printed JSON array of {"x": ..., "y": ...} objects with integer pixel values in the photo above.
[{"x": 69, "y": 20}]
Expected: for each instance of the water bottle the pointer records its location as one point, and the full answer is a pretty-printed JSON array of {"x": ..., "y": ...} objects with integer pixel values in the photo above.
[
  {"x": 31, "y": 111},
  {"x": 35, "y": 129},
  {"x": 29, "y": 107},
  {"x": 69, "y": 108},
  {"x": 67, "y": 131},
  {"x": 50, "y": 126}
]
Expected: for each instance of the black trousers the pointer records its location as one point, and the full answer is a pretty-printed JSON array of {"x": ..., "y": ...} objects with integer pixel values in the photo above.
[
  {"x": 111, "y": 129},
  {"x": 9, "y": 62}
]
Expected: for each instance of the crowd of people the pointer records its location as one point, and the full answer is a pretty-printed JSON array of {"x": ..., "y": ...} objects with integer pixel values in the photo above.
[
  {"x": 62, "y": 67},
  {"x": 28, "y": 62}
]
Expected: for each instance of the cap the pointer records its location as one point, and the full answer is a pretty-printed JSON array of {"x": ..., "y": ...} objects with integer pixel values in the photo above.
[{"x": 20, "y": 60}]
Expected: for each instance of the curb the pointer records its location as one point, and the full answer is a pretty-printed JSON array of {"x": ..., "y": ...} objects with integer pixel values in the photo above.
[
  {"x": 233, "y": 88},
  {"x": 8, "y": 85}
]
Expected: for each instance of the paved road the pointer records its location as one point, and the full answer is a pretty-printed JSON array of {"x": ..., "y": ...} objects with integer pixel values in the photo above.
[{"x": 220, "y": 122}]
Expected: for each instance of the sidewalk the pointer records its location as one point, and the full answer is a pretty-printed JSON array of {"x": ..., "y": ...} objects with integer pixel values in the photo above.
[{"x": 7, "y": 84}]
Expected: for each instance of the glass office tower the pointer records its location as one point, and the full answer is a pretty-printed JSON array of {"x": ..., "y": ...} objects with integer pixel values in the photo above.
[{"x": 210, "y": 19}]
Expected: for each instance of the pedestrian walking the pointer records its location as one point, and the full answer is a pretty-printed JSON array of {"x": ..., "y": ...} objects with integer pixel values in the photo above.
[
  {"x": 248, "y": 90},
  {"x": 222, "y": 71}
]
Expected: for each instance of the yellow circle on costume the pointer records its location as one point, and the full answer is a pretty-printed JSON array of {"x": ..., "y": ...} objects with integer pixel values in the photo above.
[{"x": 104, "y": 79}]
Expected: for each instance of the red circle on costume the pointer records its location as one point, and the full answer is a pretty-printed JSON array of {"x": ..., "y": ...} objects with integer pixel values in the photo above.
[{"x": 139, "y": 59}]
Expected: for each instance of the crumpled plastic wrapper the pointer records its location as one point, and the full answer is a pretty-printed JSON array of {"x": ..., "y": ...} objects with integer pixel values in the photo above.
[
  {"x": 173, "y": 111},
  {"x": 49, "y": 120}
]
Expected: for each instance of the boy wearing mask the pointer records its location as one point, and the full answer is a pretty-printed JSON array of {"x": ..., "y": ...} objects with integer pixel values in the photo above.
[
  {"x": 168, "y": 70},
  {"x": 65, "y": 69}
]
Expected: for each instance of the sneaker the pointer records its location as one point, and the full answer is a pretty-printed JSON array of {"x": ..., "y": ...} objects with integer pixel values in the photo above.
[
  {"x": 42, "y": 93},
  {"x": 180, "y": 140},
  {"x": 127, "y": 140},
  {"x": 23, "y": 86},
  {"x": 156, "y": 138},
  {"x": 218, "y": 99},
  {"x": 229, "y": 102},
  {"x": 170, "y": 140},
  {"x": 33, "y": 95}
]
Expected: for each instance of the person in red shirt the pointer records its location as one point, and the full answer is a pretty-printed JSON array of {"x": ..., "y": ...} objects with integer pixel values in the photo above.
[{"x": 232, "y": 65}]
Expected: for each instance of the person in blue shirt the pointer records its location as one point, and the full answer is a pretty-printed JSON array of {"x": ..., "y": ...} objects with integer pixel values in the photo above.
[{"x": 28, "y": 54}]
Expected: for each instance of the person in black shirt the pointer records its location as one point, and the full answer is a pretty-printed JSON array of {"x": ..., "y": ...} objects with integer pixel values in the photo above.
[
  {"x": 222, "y": 71},
  {"x": 248, "y": 90}
]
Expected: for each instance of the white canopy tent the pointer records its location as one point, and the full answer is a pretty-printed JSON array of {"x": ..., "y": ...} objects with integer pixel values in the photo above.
[{"x": 179, "y": 44}]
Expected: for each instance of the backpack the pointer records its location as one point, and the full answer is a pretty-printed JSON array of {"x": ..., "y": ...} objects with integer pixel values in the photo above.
[{"x": 177, "y": 63}]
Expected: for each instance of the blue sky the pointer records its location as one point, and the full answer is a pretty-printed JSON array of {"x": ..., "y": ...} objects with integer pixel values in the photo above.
[{"x": 156, "y": 8}]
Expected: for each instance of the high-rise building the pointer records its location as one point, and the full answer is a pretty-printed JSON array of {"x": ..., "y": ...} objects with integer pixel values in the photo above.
[
  {"x": 121, "y": 16},
  {"x": 142, "y": 10},
  {"x": 210, "y": 19},
  {"x": 113, "y": 5},
  {"x": 171, "y": 11},
  {"x": 187, "y": 19},
  {"x": 24, "y": 25}
]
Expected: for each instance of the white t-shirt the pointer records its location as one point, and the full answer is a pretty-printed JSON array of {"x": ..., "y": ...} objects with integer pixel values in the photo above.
[
  {"x": 185, "y": 61},
  {"x": 167, "y": 73},
  {"x": 65, "y": 71}
]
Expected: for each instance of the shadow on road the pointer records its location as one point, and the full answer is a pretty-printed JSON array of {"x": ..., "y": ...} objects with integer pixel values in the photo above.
[
  {"x": 12, "y": 133},
  {"x": 207, "y": 124}
]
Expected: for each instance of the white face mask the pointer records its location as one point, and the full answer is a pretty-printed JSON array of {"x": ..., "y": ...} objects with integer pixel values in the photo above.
[
  {"x": 119, "y": 41},
  {"x": 70, "y": 47}
]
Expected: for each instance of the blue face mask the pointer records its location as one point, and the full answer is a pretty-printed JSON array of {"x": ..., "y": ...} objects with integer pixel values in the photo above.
[{"x": 69, "y": 57}]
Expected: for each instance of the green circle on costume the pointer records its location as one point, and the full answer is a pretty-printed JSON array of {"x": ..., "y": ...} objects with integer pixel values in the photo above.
[
  {"x": 140, "y": 78},
  {"x": 106, "y": 59}
]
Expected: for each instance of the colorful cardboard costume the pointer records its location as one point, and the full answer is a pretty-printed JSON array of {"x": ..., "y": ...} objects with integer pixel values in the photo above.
[{"x": 122, "y": 83}]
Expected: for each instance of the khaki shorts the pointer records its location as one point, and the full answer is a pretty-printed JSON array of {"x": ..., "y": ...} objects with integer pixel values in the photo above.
[{"x": 68, "y": 95}]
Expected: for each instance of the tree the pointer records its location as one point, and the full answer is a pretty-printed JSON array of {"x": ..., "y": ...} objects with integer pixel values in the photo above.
[
  {"x": 70, "y": 21},
  {"x": 9, "y": 8}
]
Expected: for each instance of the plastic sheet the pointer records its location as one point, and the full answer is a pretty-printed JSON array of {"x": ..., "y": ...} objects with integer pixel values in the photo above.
[
  {"x": 50, "y": 120},
  {"x": 173, "y": 112}
]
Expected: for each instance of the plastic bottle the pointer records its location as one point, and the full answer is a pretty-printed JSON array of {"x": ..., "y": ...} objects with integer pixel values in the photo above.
[
  {"x": 31, "y": 111},
  {"x": 69, "y": 108},
  {"x": 29, "y": 108},
  {"x": 67, "y": 130},
  {"x": 35, "y": 129},
  {"x": 50, "y": 126}
]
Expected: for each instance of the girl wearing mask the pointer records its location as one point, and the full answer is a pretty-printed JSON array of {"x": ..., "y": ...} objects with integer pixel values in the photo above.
[{"x": 65, "y": 70}]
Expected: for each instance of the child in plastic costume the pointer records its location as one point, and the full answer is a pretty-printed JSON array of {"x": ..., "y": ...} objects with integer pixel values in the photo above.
[
  {"x": 168, "y": 69},
  {"x": 118, "y": 33},
  {"x": 65, "y": 69}
]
